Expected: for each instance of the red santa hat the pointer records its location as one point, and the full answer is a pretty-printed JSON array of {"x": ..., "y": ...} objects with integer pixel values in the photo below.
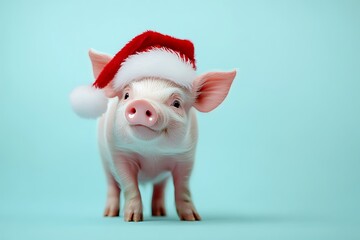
[{"x": 150, "y": 54}]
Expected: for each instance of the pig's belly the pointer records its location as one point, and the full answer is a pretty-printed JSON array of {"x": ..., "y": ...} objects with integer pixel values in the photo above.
[
  {"x": 154, "y": 169},
  {"x": 146, "y": 177}
]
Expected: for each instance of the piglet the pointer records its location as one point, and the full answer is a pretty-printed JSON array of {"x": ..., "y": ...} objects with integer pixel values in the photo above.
[{"x": 149, "y": 130}]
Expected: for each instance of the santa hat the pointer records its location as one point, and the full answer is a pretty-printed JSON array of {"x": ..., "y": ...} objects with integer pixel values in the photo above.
[{"x": 150, "y": 54}]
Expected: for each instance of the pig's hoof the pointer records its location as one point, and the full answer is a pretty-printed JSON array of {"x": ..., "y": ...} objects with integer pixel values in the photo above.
[
  {"x": 111, "y": 212},
  {"x": 158, "y": 209},
  {"x": 187, "y": 212},
  {"x": 133, "y": 211},
  {"x": 112, "y": 207},
  {"x": 132, "y": 216}
]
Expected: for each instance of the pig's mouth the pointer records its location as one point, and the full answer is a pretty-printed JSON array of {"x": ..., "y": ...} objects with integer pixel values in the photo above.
[{"x": 144, "y": 132}]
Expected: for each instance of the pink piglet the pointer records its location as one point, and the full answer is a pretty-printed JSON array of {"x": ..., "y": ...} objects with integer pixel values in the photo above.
[{"x": 146, "y": 97}]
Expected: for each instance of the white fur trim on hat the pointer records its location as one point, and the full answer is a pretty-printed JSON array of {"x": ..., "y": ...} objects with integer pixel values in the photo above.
[
  {"x": 158, "y": 62},
  {"x": 88, "y": 102}
]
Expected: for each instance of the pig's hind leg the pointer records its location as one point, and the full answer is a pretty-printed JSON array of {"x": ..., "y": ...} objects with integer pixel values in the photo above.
[
  {"x": 158, "y": 199},
  {"x": 112, "y": 207}
]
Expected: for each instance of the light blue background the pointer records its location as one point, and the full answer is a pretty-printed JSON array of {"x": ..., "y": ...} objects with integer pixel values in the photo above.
[{"x": 280, "y": 159}]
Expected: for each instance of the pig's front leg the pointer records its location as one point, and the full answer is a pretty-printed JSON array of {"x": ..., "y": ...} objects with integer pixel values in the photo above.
[
  {"x": 184, "y": 205},
  {"x": 128, "y": 172}
]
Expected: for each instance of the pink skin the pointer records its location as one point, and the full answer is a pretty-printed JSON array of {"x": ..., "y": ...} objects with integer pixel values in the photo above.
[
  {"x": 145, "y": 134},
  {"x": 141, "y": 112},
  {"x": 158, "y": 199}
]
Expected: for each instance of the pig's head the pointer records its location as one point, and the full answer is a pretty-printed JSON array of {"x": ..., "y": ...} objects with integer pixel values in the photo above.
[{"x": 158, "y": 110}]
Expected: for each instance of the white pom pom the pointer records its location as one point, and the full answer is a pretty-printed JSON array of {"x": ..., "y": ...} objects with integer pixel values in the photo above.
[{"x": 88, "y": 102}]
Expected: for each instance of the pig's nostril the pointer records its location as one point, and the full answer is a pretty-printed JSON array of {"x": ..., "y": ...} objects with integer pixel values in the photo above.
[
  {"x": 132, "y": 111},
  {"x": 148, "y": 113}
]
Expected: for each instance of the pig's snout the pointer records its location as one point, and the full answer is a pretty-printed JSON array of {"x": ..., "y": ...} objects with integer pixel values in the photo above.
[{"x": 141, "y": 112}]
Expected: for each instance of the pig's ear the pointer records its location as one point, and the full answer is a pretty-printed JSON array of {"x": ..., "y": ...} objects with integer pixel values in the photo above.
[
  {"x": 99, "y": 61},
  {"x": 88, "y": 101},
  {"x": 211, "y": 89}
]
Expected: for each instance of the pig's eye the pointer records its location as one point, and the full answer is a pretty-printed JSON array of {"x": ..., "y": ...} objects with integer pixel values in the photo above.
[
  {"x": 176, "y": 104},
  {"x": 126, "y": 96}
]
